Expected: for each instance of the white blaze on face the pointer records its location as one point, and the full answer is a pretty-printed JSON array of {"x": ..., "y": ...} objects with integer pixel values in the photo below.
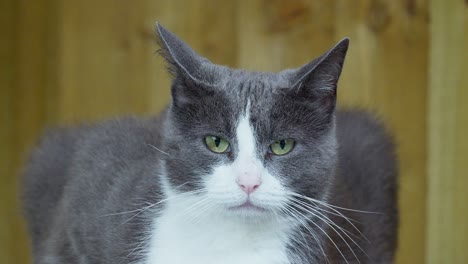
[
  {"x": 246, "y": 178},
  {"x": 247, "y": 167}
]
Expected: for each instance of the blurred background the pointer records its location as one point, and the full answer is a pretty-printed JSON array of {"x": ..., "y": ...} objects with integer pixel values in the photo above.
[{"x": 64, "y": 62}]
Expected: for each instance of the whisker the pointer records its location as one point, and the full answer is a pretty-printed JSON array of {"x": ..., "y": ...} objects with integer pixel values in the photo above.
[
  {"x": 333, "y": 209},
  {"x": 339, "y": 214},
  {"x": 307, "y": 227},
  {"x": 331, "y": 205},
  {"x": 154, "y": 147},
  {"x": 140, "y": 245},
  {"x": 323, "y": 231},
  {"x": 208, "y": 208},
  {"x": 192, "y": 211},
  {"x": 126, "y": 212},
  {"x": 317, "y": 210},
  {"x": 148, "y": 204},
  {"x": 338, "y": 233},
  {"x": 160, "y": 202}
]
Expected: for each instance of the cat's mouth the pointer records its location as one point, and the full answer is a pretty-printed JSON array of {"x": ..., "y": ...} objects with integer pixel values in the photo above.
[{"x": 247, "y": 206}]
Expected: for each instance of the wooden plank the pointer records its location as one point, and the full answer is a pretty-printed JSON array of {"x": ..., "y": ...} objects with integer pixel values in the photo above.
[
  {"x": 105, "y": 49},
  {"x": 8, "y": 18},
  {"x": 274, "y": 35},
  {"x": 28, "y": 103},
  {"x": 218, "y": 31},
  {"x": 448, "y": 127},
  {"x": 386, "y": 70},
  {"x": 25, "y": 103}
]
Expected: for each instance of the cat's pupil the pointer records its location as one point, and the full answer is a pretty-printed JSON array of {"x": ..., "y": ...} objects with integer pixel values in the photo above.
[
  {"x": 282, "y": 144},
  {"x": 217, "y": 141}
]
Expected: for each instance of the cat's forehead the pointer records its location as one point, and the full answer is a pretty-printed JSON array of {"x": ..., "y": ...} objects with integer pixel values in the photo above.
[
  {"x": 254, "y": 79},
  {"x": 250, "y": 85}
]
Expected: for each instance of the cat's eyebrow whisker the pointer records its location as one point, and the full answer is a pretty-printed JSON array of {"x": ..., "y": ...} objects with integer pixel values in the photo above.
[{"x": 154, "y": 147}]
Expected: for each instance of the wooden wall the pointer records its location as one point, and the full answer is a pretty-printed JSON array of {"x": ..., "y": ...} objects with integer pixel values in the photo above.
[
  {"x": 447, "y": 206},
  {"x": 67, "y": 61}
]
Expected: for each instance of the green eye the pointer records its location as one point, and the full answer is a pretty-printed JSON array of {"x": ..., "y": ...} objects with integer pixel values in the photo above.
[
  {"x": 282, "y": 146},
  {"x": 216, "y": 144}
]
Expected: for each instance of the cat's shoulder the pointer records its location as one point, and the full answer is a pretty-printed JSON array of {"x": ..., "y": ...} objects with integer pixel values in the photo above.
[
  {"x": 120, "y": 137},
  {"x": 365, "y": 142},
  {"x": 363, "y": 137},
  {"x": 357, "y": 126},
  {"x": 122, "y": 129}
]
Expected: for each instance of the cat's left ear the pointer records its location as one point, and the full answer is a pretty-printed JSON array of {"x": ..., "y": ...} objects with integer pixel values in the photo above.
[{"x": 317, "y": 81}]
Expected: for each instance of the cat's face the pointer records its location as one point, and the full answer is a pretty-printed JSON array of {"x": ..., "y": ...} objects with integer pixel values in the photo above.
[{"x": 247, "y": 143}]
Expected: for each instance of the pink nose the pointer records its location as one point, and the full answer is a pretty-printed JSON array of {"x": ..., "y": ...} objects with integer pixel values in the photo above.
[
  {"x": 248, "y": 189},
  {"x": 248, "y": 183}
]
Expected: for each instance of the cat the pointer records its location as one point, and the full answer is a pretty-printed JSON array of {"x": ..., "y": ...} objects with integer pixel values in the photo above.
[{"x": 242, "y": 167}]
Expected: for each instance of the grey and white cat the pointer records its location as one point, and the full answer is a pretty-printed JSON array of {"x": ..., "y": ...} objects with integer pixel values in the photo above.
[{"x": 242, "y": 168}]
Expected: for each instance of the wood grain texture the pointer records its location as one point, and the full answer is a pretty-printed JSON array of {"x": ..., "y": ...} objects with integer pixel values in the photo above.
[
  {"x": 386, "y": 71},
  {"x": 7, "y": 79},
  {"x": 104, "y": 53},
  {"x": 447, "y": 229},
  {"x": 26, "y": 108},
  {"x": 274, "y": 35}
]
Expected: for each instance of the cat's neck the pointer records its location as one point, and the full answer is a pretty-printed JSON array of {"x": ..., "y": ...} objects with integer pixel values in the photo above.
[{"x": 201, "y": 235}]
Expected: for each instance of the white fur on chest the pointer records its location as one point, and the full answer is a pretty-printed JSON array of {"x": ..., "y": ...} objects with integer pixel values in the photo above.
[{"x": 175, "y": 239}]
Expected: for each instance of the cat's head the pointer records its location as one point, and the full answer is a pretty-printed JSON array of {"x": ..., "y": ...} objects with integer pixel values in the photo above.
[{"x": 248, "y": 142}]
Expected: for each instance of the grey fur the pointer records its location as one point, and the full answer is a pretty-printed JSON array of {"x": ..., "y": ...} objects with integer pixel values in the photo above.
[{"x": 77, "y": 177}]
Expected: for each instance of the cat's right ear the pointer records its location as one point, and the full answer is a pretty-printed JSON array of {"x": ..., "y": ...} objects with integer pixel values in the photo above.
[{"x": 191, "y": 72}]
